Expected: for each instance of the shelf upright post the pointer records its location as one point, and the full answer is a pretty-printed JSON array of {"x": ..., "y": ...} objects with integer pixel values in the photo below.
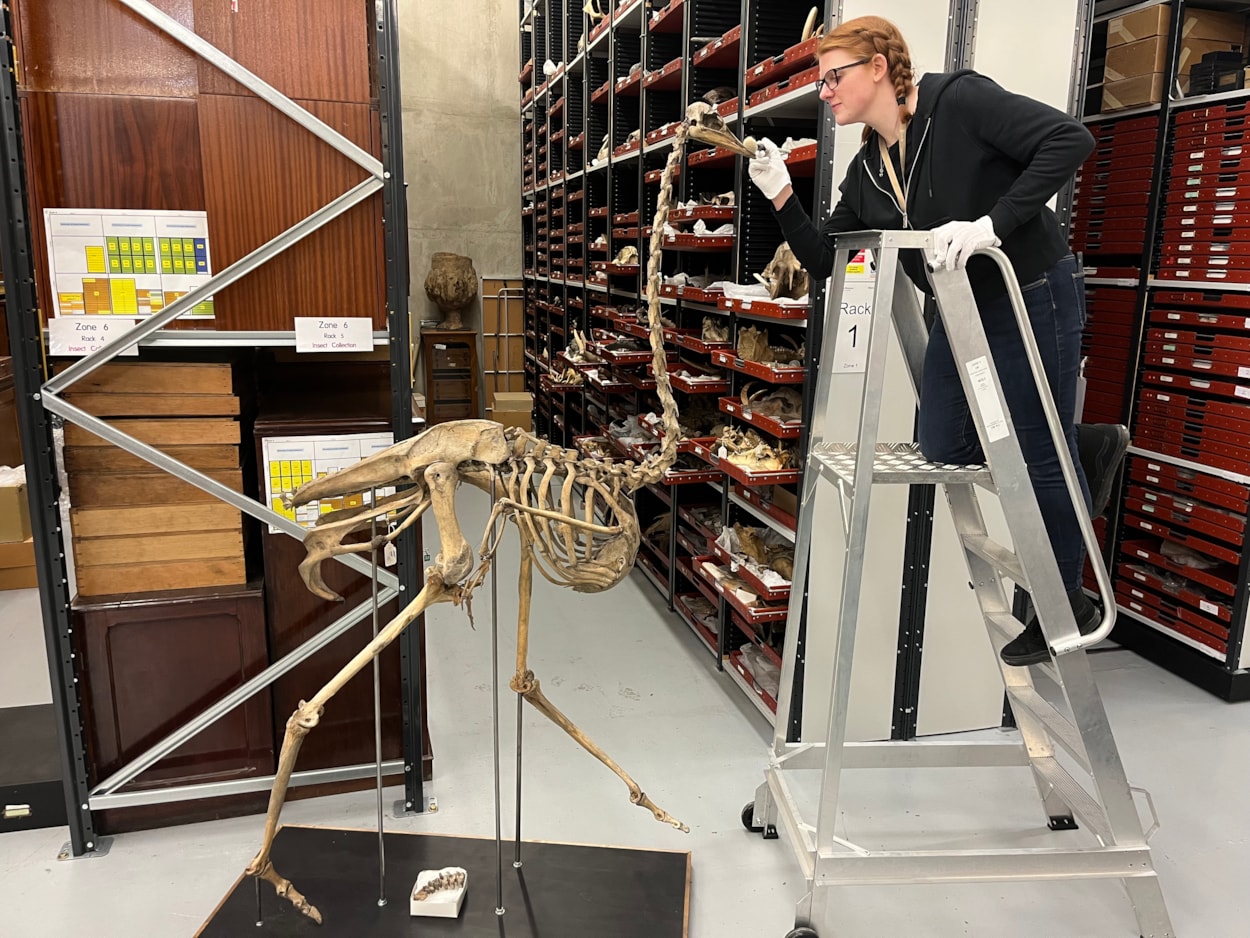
[
  {"x": 399, "y": 330},
  {"x": 42, "y": 487}
]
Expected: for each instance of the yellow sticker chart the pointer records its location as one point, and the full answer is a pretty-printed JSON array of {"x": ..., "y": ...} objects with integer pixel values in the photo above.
[
  {"x": 105, "y": 262},
  {"x": 291, "y": 461}
]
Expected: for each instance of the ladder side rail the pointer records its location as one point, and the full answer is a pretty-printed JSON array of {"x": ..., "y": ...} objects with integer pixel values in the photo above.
[
  {"x": 992, "y": 418},
  {"x": 1092, "y": 547},
  {"x": 796, "y": 618},
  {"x": 856, "y": 537}
]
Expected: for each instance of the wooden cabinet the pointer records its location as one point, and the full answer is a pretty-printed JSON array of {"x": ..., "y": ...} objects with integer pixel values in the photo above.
[
  {"x": 154, "y": 661},
  {"x": 451, "y": 375},
  {"x": 10, "y": 436}
]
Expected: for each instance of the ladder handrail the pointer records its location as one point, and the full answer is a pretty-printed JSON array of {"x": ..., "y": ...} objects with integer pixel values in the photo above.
[{"x": 1093, "y": 548}]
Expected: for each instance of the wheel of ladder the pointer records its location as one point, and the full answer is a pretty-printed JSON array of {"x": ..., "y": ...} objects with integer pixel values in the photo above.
[
  {"x": 802, "y": 932},
  {"x": 748, "y": 818}
]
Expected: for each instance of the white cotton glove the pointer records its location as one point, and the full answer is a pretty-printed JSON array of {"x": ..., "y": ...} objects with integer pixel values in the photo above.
[
  {"x": 768, "y": 171},
  {"x": 955, "y": 242}
]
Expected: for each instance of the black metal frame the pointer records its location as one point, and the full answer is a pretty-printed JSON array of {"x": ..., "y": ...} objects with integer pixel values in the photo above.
[
  {"x": 43, "y": 489},
  {"x": 399, "y": 332}
]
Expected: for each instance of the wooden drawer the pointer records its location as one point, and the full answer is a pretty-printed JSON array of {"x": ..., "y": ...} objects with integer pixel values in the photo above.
[
  {"x": 452, "y": 389},
  {"x": 451, "y": 356},
  {"x": 455, "y": 411}
]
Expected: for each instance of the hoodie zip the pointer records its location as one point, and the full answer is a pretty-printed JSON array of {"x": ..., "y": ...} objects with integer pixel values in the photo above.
[{"x": 910, "y": 176}]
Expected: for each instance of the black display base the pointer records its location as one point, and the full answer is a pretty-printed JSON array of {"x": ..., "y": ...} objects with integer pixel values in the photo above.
[{"x": 561, "y": 891}]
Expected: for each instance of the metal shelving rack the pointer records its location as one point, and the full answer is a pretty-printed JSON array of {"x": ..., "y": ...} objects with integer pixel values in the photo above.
[
  {"x": 36, "y": 425},
  {"x": 1225, "y": 673}
]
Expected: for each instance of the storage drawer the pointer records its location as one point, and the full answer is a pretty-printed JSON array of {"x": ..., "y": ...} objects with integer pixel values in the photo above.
[
  {"x": 452, "y": 389},
  {"x": 454, "y": 411},
  {"x": 451, "y": 356}
]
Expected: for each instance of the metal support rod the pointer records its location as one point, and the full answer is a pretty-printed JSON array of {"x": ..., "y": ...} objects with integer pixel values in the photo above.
[
  {"x": 520, "y": 702},
  {"x": 260, "y": 918},
  {"x": 377, "y": 698},
  {"x": 494, "y": 699}
]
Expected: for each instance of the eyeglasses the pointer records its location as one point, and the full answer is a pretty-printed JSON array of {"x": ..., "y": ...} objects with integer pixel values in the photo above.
[{"x": 834, "y": 75}]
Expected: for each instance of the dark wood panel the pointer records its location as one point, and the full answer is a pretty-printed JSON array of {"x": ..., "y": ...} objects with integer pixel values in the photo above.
[
  {"x": 150, "y": 665},
  {"x": 100, "y": 47},
  {"x": 267, "y": 173},
  {"x": 314, "y": 51},
  {"x": 106, "y": 151}
]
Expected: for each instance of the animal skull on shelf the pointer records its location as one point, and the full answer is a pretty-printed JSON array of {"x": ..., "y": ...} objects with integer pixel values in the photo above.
[
  {"x": 715, "y": 330},
  {"x": 709, "y": 127},
  {"x": 574, "y": 514},
  {"x": 748, "y": 449},
  {"x": 784, "y": 275},
  {"x": 784, "y": 403},
  {"x": 720, "y": 95},
  {"x": 779, "y": 557},
  {"x": 626, "y": 255}
]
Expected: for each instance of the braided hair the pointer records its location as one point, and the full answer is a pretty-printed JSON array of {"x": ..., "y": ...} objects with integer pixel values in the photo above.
[{"x": 867, "y": 36}]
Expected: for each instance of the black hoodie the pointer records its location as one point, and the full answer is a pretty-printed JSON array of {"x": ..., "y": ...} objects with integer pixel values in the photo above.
[{"x": 973, "y": 149}]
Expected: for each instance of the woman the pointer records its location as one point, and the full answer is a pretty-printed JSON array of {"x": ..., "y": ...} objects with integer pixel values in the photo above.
[{"x": 957, "y": 154}]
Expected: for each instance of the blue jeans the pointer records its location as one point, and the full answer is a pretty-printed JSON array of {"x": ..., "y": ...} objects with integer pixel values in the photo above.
[{"x": 1056, "y": 306}]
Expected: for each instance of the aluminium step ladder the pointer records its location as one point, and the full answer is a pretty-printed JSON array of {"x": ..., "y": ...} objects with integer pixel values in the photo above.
[{"x": 1104, "y": 804}]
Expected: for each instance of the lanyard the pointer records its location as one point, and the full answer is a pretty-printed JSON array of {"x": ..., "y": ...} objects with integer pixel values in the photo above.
[{"x": 899, "y": 190}]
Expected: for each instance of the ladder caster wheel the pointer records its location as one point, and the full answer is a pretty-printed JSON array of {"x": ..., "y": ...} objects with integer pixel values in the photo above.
[
  {"x": 1063, "y": 822},
  {"x": 748, "y": 818},
  {"x": 803, "y": 932}
]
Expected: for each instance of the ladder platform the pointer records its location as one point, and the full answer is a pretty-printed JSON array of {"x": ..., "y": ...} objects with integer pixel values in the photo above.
[{"x": 899, "y": 464}]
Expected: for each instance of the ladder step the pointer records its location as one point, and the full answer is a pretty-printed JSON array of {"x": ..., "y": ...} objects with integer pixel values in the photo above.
[
  {"x": 1059, "y": 727},
  {"x": 898, "y": 464},
  {"x": 997, "y": 556}
]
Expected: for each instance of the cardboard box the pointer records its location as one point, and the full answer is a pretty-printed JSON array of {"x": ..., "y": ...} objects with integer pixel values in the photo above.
[
  {"x": 1147, "y": 56},
  {"x": 1145, "y": 89},
  {"x": 513, "y": 409},
  {"x": 14, "y": 513},
  {"x": 17, "y": 565},
  {"x": 1154, "y": 21}
]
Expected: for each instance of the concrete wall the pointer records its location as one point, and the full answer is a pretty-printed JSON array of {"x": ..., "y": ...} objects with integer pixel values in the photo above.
[{"x": 458, "y": 66}]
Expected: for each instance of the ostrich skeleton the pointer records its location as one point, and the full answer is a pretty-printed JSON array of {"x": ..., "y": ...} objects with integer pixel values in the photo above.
[{"x": 550, "y": 493}]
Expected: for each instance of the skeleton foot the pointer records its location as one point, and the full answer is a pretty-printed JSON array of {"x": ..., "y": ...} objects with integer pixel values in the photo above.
[
  {"x": 284, "y": 888},
  {"x": 527, "y": 686}
]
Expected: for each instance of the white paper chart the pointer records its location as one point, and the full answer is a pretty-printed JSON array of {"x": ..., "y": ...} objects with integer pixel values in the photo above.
[
  {"x": 290, "y": 461},
  {"x": 105, "y": 262}
]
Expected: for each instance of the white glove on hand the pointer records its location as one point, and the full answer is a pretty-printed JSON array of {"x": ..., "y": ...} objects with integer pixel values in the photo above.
[
  {"x": 769, "y": 172},
  {"x": 955, "y": 242}
]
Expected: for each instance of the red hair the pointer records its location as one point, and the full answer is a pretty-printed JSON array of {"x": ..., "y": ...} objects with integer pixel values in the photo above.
[{"x": 868, "y": 36}]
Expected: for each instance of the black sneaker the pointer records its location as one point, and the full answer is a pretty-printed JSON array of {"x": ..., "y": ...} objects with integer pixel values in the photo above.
[
  {"x": 1029, "y": 647},
  {"x": 1101, "y": 447}
]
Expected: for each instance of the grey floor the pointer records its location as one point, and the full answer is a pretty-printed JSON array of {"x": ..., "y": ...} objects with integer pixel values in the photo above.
[{"x": 639, "y": 683}]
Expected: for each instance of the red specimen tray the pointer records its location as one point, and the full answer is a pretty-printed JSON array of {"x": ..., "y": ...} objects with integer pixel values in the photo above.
[
  {"x": 1204, "y": 519},
  {"x": 1190, "y": 414},
  {"x": 711, "y": 156},
  {"x": 797, "y": 58},
  {"x": 655, "y": 175},
  {"x": 1202, "y": 340},
  {"x": 1149, "y": 523},
  {"x": 667, "y": 20},
  {"x": 1211, "y": 298},
  {"x": 783, "y": 431},
  {"x": 698, "y": 387},
  {"x": 693, "y": 242},
  {"x": 1195, "y": 383},
  {"x": 699, "y": 628},
  {"x": 1209, "y": 488},
  {"x": 721, "y": 213},
  {"x": 1154, "y": 611},
  {"x": 757, "y": 499},
  {"x": 735, "y": 662},
  {"x": 600, "y": 94},
  {"x": 694, "y": 343},
  {"x": 1205, "y": 275},
  {"x": 779, "y": 374},
  {"x": 797, "y": 80},
  {"x": 699, "y": 295},
  {"x": 764, "y": 308},
  {"x": 663, "y": 132},
  {"x": 667, "y": 78},
  {"x": 1222, "y": 579},
  {"x": 707, "y": 453},
  {"x": 722, "y": 52},
  {"x": 767, "y": 593},
  {"x": 752, "y": 614},
  {"x": 1130, "y": 573}
]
